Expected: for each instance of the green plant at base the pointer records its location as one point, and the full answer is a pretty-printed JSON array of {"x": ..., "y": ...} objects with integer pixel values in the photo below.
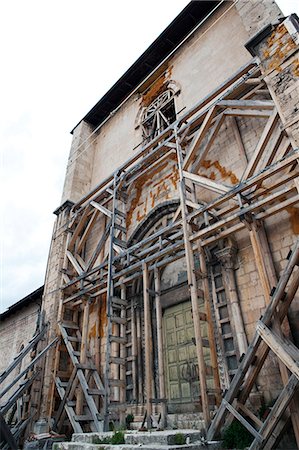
[
  {"x": 236, "y": 436},
  {"x": 179, "y": 439},
  {"x": 118, "y": 438},
  {"x": 129, "y": 420}
]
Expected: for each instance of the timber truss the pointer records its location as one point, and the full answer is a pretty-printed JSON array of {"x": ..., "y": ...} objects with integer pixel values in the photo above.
[
  {"x": 268, "y": 185},
  {"x": 19, "y": 402}
]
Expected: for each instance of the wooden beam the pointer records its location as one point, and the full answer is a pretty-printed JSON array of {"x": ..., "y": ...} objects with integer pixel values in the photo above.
[
  {"x": 263, "y": 141},
  {"x": 238, "y": 137},
  {"x": 198, "y": 138},
  {"x": 83, "y": 354},
  {"x": 249, "y": 414},
  {"x": 101, "y": 208},
  {"x": 192, "y": 281},
  {"x": 204, "y": 151},
  {"x": 161, "y": 369},
  {"x": 206, "y": 183},
  {"x": 148, "y": 345},
  {"x": 247, "y": 104},
  {"x": 283, "y": 348},
  {"x": 241, "y": 419},
  {"x": 74, "y": 262},
  {"x": 87, "y": 230},
  {"x": 276, "y": 412},
  {"x": 247, "y": 112},
  {"x": 78, "y": 228},
  {"x": 100, "y": 245}
]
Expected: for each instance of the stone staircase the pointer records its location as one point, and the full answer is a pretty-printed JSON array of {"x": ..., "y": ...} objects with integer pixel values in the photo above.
[{"x": 151, "y": 440}]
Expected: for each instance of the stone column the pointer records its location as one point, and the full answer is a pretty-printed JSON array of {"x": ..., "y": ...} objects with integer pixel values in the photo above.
[
  {"x": 277, "y": 47},
  {"x": 227, "y": 257}
]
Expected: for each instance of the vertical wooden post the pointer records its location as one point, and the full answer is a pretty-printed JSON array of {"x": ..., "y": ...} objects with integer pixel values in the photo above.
[
  {"x": 267, "y": 274},
  {"x": 134, "y": 350},
  {"x": 122, "y": 369},
  {"x": 83, "y": 354},
  {"x": 161, "y": 369},
  {"x": 193, "y": 290},
  {"x": 148, "y": 346},
  {"x": 139, "y": 357},
  {"x": 208, "y": 310}
]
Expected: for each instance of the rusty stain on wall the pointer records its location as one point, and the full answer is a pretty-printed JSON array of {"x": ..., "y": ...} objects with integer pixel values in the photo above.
[
  {"x": 156, "y": 88},
  {"x": 224, "y": 173},
  {"x": 155, "y": 190},
  {"x": 296, "y": 67},
  {"x": 278, "y": 47}
]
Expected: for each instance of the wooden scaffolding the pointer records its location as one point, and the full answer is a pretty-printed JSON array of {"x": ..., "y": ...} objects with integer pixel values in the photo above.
[{"x": 93, "y": 392}]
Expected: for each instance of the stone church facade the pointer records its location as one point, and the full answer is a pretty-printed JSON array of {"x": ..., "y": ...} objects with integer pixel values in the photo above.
[{"x": 178, "y": 214}]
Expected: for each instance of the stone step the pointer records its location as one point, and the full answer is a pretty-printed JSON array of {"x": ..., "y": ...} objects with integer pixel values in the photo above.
[
  {"x": 151, "y": 440},
  {"x": 166, "y": 437},
  {"x": 84, "y": 446}
]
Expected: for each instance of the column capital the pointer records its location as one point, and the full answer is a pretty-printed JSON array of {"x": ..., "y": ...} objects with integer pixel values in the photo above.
[{"x": 227, "y": 256}]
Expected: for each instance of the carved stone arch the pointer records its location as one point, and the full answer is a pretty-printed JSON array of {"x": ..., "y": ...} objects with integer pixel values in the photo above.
[{"x": 161, "y": 210}]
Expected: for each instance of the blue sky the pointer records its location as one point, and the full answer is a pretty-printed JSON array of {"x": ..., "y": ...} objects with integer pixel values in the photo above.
[{"x": 58, "y": 58}]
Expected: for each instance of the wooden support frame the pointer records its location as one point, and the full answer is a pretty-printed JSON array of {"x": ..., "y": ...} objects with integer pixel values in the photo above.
[{"x": 111, "y": 271}]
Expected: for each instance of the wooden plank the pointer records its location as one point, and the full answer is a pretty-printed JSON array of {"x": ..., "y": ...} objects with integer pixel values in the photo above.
[
  {"x": 198, "y": 138},
  {"x": 245, "y": 367},
  {"x": 65, "y": 395},
  {"x": 161, "y": 369},
  {"x": 283, "y": 348},
  {"x": 87, "y": 230},
  {"x": 101, "y": 209},
  {"x": 263, "y": 141},
  {"x": 247, "y": 104},
  {"x": 17, "y": 394},
  {"x": 83, "y": 353},
  {"x": 224, "y": 89},
  {"x": 247, "y": 113},
  {"x": 148, "y": 346},
  {"x": 204, "y": 151},
  {"x": 68, "y": 409},
  {"x": 244, "y": 422},
  {"x": 250, "y": 414},
  {"x": 276, "y": 412},
  {"x": 240, "y": 213},
  {"x": 74, "y": 262},
  {"x": 78, "y": 228},
  {"x": 30, "y": 365},
  {"x": 238, "y": 137},
  {"x": 246, "y": 184},
  {"x": 192, "y": 281},
  {"x": 99, "y": 246},
  {"x": 22, "y": 354},
  {"x": 206, "y": 183}
]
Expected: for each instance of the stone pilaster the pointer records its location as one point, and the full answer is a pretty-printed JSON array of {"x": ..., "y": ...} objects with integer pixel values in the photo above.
[
  {"x": 277, "y": 47},
  {"x": 227, "y": 258},
  {"x": 79, "y": 167},
  {"x": 52, "y": 297}
]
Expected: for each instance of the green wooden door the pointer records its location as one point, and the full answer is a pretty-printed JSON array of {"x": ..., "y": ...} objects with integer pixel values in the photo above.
[{"x": 180, "y": 358}]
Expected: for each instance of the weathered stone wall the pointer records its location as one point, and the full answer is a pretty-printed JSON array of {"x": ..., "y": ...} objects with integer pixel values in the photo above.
[
  {"x": 16, "y": 330},
  {"x": 255, "y": 14},
  {"x": 209, "y": 57}
]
